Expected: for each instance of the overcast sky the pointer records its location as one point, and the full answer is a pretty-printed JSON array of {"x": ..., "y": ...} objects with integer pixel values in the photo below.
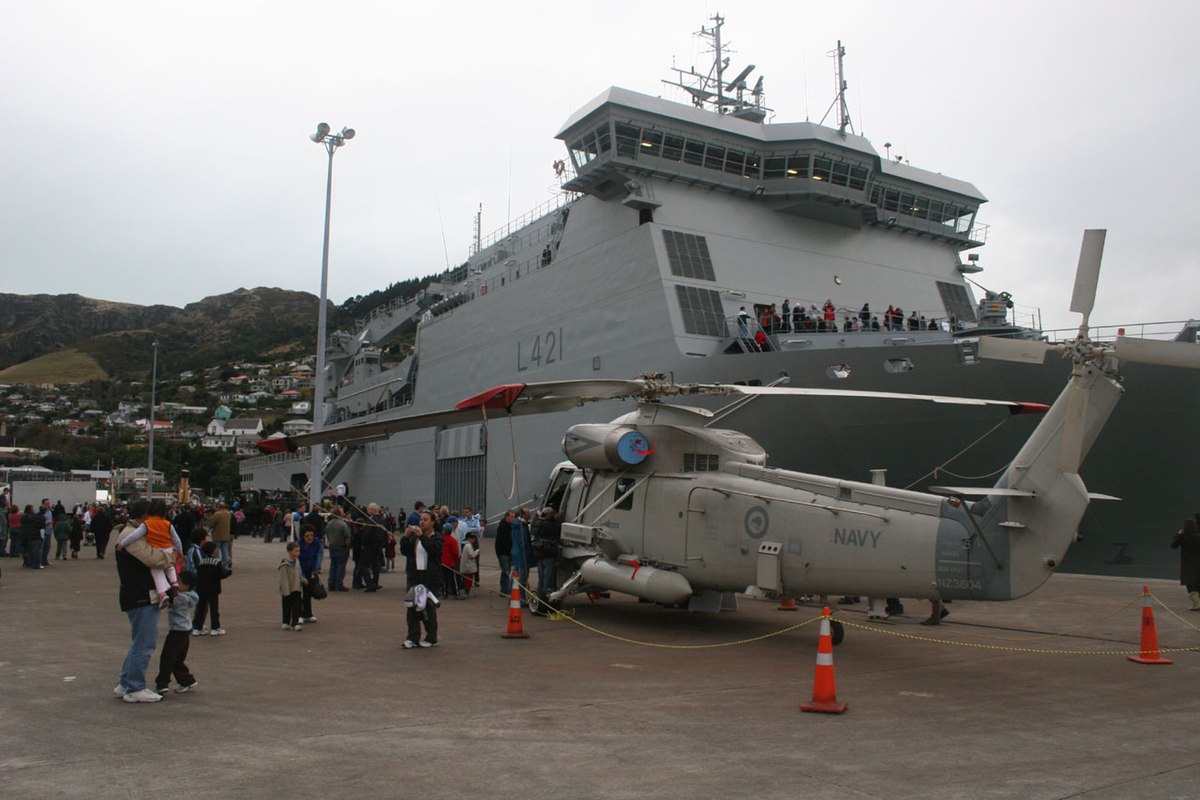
[{"x": 158, "y": 151}]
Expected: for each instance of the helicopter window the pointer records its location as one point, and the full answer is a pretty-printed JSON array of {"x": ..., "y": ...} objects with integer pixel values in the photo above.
[
  {"x": 701, "y": 462},
  {"x": 838, "y": 371},
  {"x": 898, "y": 365},
  {"x": 623, "y": 486}
]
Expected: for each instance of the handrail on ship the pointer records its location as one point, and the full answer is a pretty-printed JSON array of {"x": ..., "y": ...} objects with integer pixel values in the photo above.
[
  {"x": 554, "y": 203},
  {"x": 1166, "y": 330}
]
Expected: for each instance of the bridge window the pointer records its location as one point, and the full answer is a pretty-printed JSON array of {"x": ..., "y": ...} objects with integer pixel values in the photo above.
[{"x": 896, "y": 365}]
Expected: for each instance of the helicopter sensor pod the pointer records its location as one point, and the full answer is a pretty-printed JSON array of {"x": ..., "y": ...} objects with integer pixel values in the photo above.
[{"x": 606, "y": 446}]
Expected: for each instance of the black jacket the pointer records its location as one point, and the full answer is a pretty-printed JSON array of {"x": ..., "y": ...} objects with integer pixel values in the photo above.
[
  {"x": 209, "y": 575},
  {"x": 431, "y": 576},
  {"x": 136, "y": 582},
  {"x": 504, "y": 539}
]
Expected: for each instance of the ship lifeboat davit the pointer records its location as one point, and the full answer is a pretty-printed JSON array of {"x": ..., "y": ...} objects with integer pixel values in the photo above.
[{"x": 630, "y": 577}]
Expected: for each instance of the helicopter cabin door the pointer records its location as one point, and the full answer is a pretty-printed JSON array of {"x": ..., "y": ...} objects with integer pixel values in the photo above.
[{"x": 626, "y": 521}]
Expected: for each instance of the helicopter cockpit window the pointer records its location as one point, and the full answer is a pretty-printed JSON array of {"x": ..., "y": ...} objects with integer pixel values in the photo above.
[
  {"x": 558, "y": 490},
  {"x": 701, "y": 462},
  {"x": 623, "y": 486}
]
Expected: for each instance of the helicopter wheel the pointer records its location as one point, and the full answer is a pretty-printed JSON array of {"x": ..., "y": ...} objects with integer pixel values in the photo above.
[
  {"x": 536, "y": 604},
  {"x": 837, "y": 631}
]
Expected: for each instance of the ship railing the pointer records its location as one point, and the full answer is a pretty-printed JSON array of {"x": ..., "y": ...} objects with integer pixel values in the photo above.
[
  {"x": 1170, "y": 330},
  {"x": 301, "y": 454},
  {"x": 554, "y": 203}
]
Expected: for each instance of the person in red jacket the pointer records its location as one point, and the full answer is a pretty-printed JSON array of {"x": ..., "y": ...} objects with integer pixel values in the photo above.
[{"x": 450, "y": 561}]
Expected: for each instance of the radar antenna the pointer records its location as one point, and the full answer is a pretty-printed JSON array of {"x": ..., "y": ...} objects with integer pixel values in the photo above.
[
  {"x": 840, "y": 99},
  {"x": 711, "y": 91}
]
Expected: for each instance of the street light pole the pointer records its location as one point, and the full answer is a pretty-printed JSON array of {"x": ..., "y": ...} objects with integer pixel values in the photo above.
[
  {"x": 332, "y": 142},
  {"x": 153, "y": 388}
]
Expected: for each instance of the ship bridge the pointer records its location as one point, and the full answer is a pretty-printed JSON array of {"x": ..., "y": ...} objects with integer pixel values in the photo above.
[{"x": 805, "y": 169}]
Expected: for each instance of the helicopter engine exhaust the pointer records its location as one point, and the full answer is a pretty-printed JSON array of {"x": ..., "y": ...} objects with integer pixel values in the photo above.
[{"x": 650, "y": 583}]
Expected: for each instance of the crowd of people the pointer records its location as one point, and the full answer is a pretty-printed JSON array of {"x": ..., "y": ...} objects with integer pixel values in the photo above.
[{"x": 788, "y": 318}]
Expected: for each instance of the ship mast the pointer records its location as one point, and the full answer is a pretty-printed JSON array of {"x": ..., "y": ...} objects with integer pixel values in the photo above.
[
  {"x": 711, "y": 91},
  {"x": 840, "y": 98}
]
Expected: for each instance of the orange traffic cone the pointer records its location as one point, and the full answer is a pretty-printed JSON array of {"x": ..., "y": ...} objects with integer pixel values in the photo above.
[
  {"x": 1149, "y": 653},
  {"x": 515, "y": 631},
  {"x": 788, "y": 604},
  {"x": 824, "y": 692}
]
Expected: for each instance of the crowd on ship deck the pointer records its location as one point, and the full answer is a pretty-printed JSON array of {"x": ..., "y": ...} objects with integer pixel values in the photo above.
[{"x": 770, "y": 319}]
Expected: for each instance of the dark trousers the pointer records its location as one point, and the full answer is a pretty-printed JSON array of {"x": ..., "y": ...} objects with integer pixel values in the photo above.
[
  {"x": 306, "y": 600},
  {"x": 101, "y": 543},
  {"x": 171, "y": 662},
  {"x": 449, "y": 580},
  {"x": 291, "y": 609},
  {"x": 337, "y": 567},
  {"x": 372, "y": 564},
  {"x": 415, "y": 618},
  {"x": 360, "y": 570},
  {"x": 207, "y": 603}
]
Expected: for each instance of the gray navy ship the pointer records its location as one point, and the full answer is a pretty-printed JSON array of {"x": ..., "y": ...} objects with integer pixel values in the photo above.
[{"x": 681, "y": 231}]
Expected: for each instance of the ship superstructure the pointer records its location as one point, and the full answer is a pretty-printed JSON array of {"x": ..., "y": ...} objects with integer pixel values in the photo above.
[{"x": 681, "y": 231}]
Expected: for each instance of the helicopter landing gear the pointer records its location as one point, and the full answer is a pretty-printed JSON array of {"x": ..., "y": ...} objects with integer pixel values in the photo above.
[{"x": 837, "y": 631}]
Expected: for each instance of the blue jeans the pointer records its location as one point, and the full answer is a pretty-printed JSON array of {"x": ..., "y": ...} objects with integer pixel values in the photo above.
[
  {"x": 223, "y": 548},
  {"x": 14, "y": 542},
  {"x": 505, "y": 575},
  {"x": 337, "y": 566},
  {"x": 143, "y": 622},
  {"x": 547, "y": 575},
  {"x": 46, "y": 539}
]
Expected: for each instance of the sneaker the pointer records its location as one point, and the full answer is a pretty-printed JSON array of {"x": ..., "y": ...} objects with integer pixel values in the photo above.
[
  {"x": 187, "y": 688},
  {"x": 159, "y": 691},
  {"x": 427, "y": 643},
  {"x": 297, "y": 628},
  {"x": 286, "y": 627},
  {"x": 409, "y": 644},
  {"x": 309, "y": 619},
  {"x": 144, "y": 696},
  {"x": 217, "y": 632},
  {"x": 119, "y": 690},
  {"x": 197, "y": 632}
]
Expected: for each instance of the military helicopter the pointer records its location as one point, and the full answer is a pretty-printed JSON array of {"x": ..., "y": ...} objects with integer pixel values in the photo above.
[{"x": 662, "y": 505}]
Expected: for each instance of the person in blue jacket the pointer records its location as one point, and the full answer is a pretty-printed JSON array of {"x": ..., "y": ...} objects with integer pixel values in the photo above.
[
  {"x": 522, "y": 551},
  {"x": 312, "y": 556}
]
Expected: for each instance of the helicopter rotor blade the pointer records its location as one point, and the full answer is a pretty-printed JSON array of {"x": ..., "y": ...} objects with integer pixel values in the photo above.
[
  {"x": 1025, "y": 351},
  {"x": 1087, "y": 274},
  {"x": 1152, "y": 351},
  {"x": 784, "y": 391}
]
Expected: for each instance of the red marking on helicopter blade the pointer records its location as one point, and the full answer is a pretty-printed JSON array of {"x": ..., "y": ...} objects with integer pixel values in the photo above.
[
  {"x": 646, "y": 452},
  {"x": 279, "y": 444},
  {"x": 1030, "y": 408},
  {"x": 502, "y": 396}
]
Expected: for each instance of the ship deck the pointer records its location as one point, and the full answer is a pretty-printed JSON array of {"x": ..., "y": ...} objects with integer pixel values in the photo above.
[{"x": 992, "y": 710}]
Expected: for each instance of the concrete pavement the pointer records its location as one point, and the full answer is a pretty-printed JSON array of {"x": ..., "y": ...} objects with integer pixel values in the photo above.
[{"x": 340, "y": 710}]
